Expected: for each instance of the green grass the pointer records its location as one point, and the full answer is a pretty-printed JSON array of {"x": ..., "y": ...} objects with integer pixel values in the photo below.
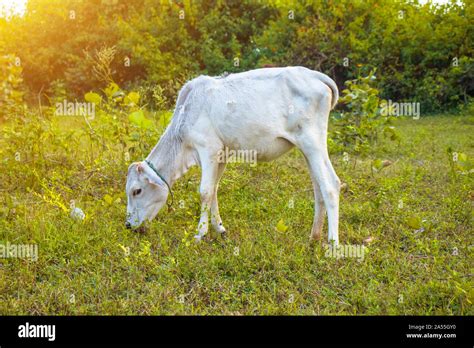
[{"x": 84, "y": 267}]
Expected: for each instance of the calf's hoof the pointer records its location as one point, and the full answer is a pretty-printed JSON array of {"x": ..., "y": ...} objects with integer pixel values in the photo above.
[{"x": 219, "y": 228}]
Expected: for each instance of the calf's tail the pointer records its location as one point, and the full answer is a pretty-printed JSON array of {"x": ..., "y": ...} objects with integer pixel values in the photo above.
[{"x": 332, "y": 85}]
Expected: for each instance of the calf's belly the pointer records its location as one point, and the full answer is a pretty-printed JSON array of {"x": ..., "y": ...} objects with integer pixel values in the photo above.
[
  {"x": 264, "y": 148},
  {"x": 255, "y": 129}
]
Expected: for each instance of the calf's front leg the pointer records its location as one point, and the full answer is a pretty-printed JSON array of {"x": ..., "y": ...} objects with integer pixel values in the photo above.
[{"x": 207, "y": 189}]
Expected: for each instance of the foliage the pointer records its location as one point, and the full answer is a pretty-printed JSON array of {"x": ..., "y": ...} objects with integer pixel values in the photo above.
[
  {"x": 11, "y": 86},
  {"x": 118, "y": 116},
  {"x": 359, "y": 128},
  {"x": 422, "y": 52}
]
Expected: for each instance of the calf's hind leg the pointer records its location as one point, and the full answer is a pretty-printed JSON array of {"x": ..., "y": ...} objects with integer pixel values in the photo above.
[
  {"x": 216, "y": 220},
  {"x": 323, "y": 177},
  {"x": 319, "y": 212}
]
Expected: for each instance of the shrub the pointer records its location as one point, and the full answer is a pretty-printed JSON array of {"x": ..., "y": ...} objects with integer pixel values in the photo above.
[
  {"x": 360, "y": 126},
  {"x": 11, "y": 86}
]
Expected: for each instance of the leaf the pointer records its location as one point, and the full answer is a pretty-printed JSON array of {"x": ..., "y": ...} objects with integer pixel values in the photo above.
[
  {"x": 462, "y": 157},
  {"x": 111, "y": 89},
  {"x": 463, "y": 163},
  {"x": 108, "y": 199},
  {"x": 147, "y": 124},
  {"x": 281, "y": 227},
  {"x": 132, "y": 98},
  {"x": 377, "y": 164},
  {"x": 414, "y": 222},
  {"x": 92, "y": 97},
  {"x": 138, "y": 118}
]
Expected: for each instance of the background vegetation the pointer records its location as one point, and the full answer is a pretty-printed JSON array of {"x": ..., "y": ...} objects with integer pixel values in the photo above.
[
  {"x": 422, "y": 53},
  {"x": 408, "y": 183}
]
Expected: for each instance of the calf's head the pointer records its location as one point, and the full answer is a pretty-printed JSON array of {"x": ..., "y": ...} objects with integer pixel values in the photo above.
[{"x": 146, "y": 194}]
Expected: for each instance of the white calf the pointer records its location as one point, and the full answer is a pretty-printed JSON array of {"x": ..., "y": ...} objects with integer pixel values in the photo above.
[{"x": 267, "y": 111}]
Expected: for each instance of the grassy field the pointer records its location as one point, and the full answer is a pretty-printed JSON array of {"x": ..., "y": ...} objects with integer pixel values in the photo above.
[{"x": 415, "y": 217}]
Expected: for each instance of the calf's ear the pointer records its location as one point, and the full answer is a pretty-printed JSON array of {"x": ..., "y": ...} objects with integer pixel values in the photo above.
[
  {"x": 148, "y": 174},
  {"x": 140, "y": 168},
  {"x": 152, "y": 178},
  {"x": 133, "y": 166}
]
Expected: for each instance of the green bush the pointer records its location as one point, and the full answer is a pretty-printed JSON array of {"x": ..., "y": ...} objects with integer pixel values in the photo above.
[
  {"x": 11, "y": 86},
  {"x": 360, "y": 126}
]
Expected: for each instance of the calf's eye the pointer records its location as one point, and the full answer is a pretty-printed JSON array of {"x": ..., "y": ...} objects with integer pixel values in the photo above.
[{"x": 137, "y": 192}]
